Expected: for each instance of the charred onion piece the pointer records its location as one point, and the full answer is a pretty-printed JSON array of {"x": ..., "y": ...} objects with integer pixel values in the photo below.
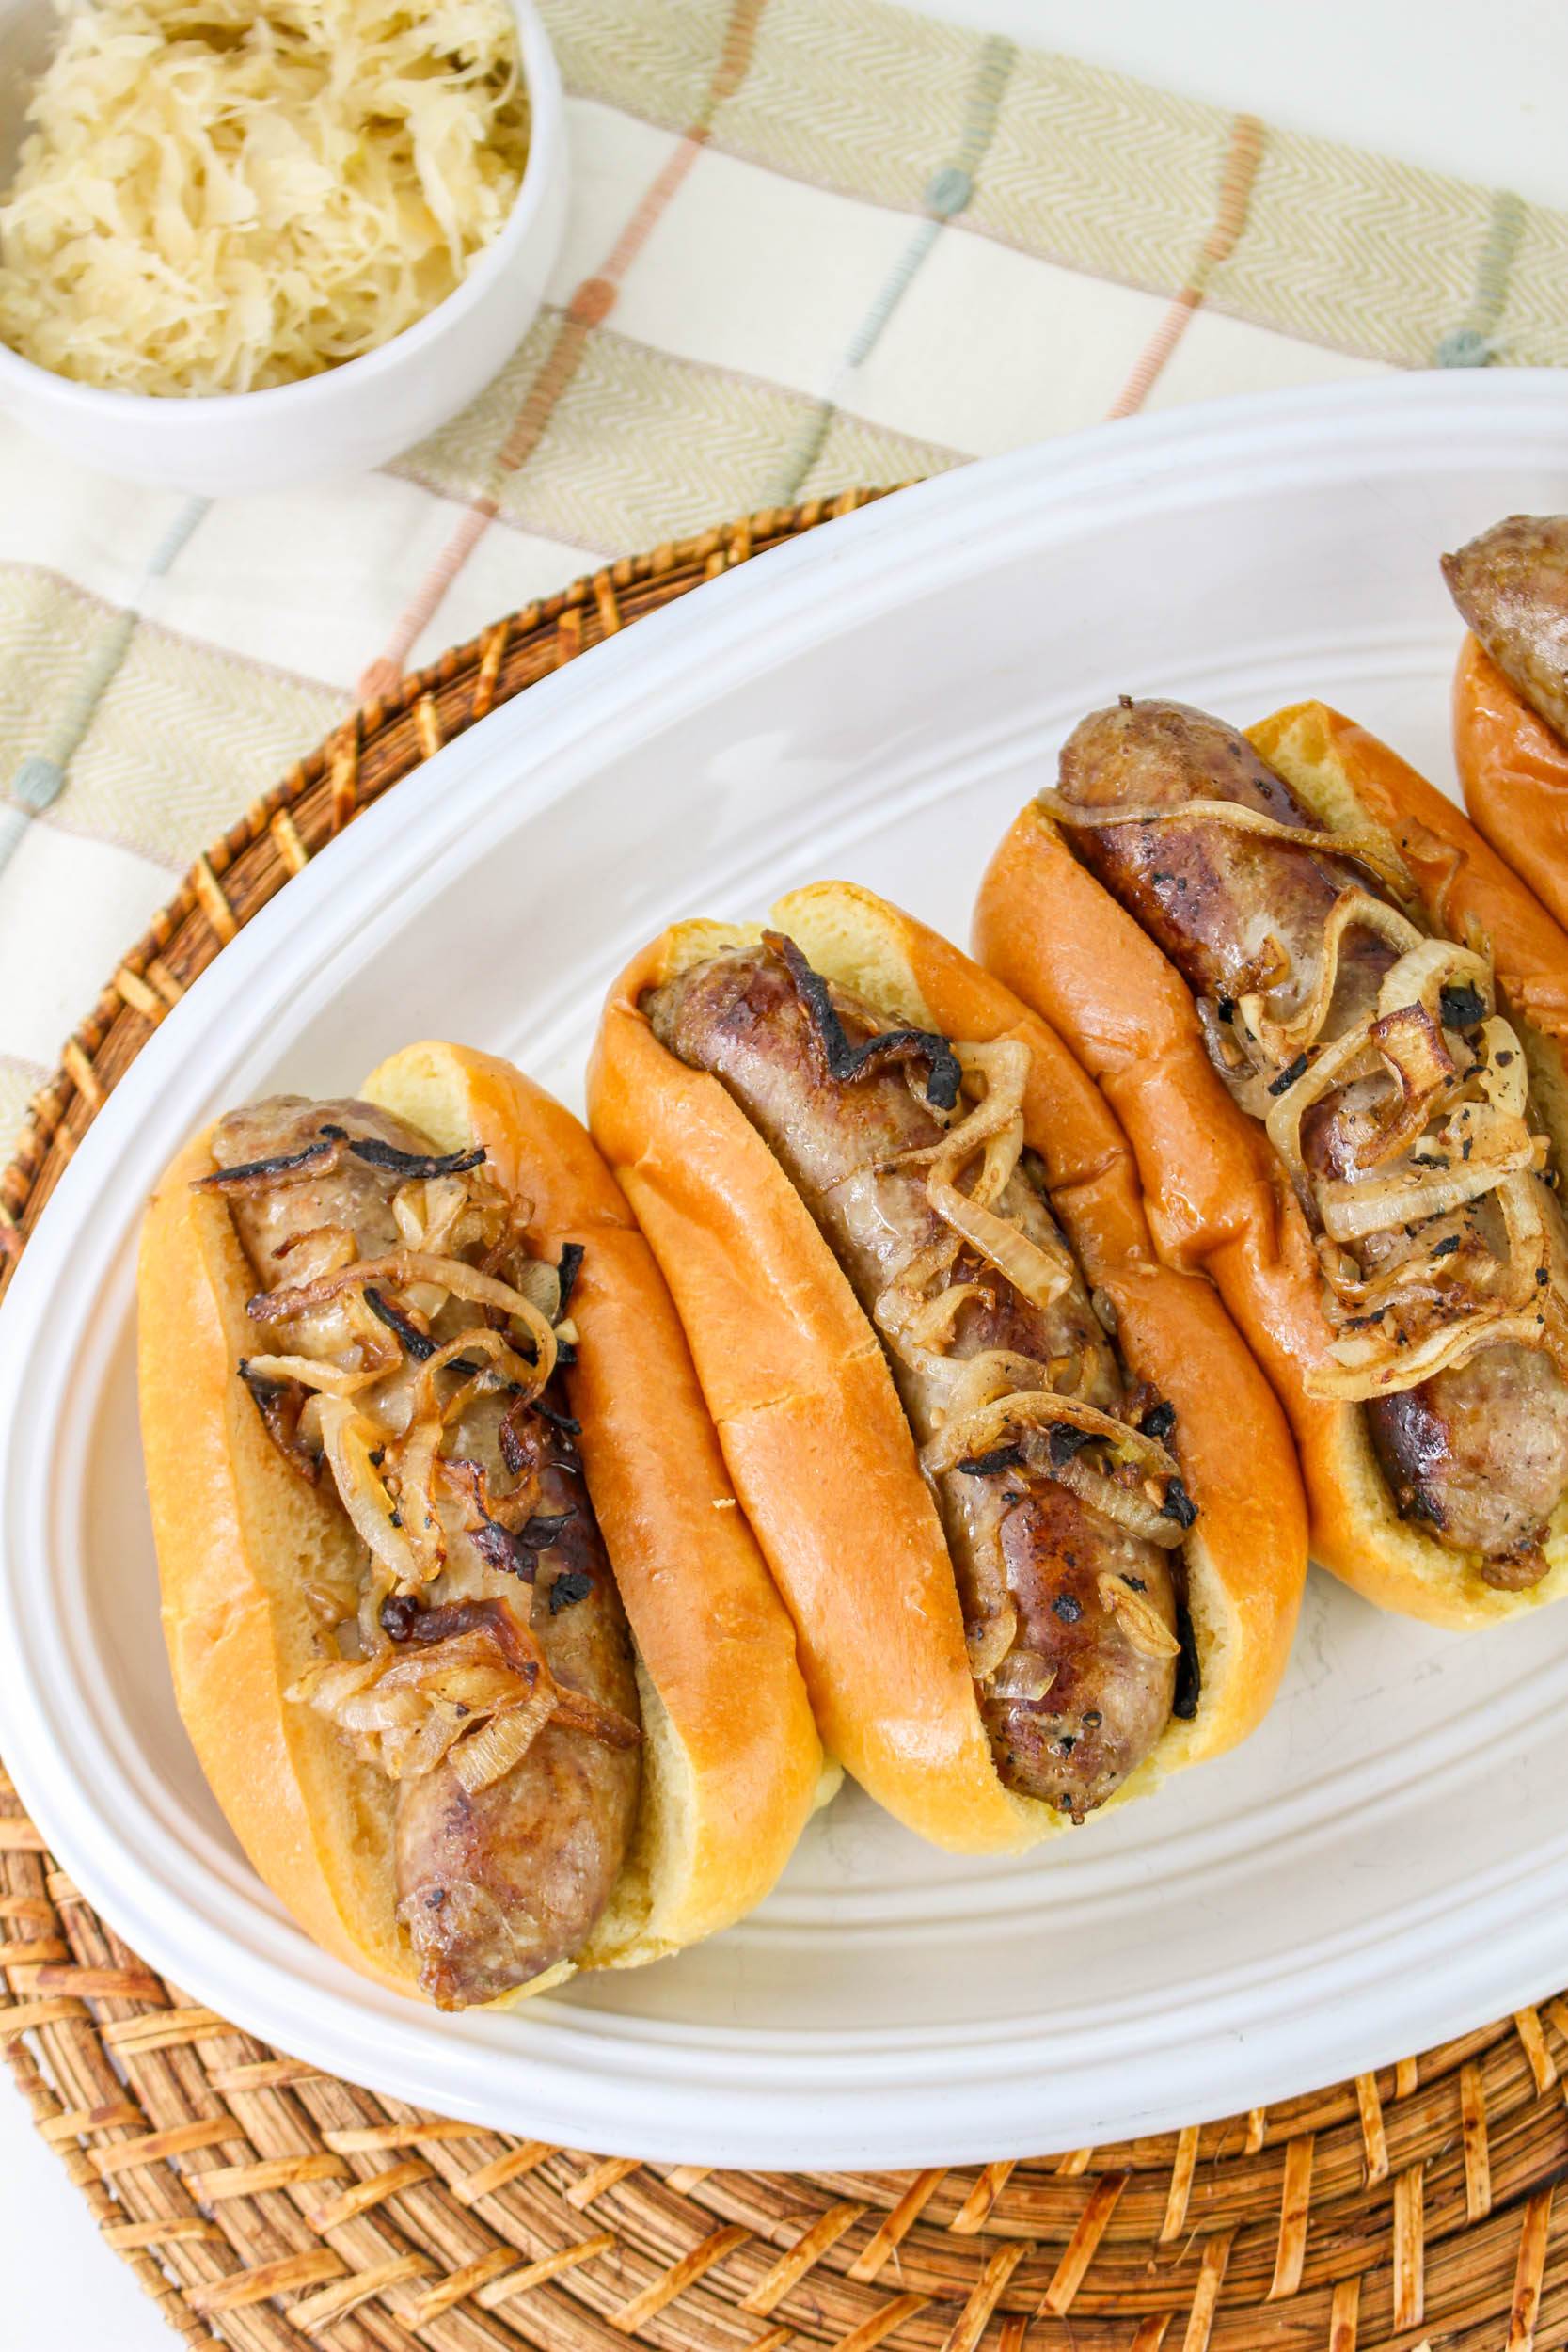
[
  {"x": 563, "y": 1421},
  {"x": 1189, "y": 1675},
  {"x": 419, "y": 1344},
  {"x": 1001, "y": 1457},
  {"x": 572, "y": 1254},
  {"x": 573, "y": 1585},
  {"x": 281, "y": 1404},
  {"x": 500, "y": 1549},
  {"x": 845, "y": 1062},
  {"x": 505, "y": 1546},
  {"x": 469, "y": 1480},
  {"x": 254, "y": 1175},
  {"x": 1179, "y": 1504},
  {"x": 544, "y": 1529},
  {"x": 1464, "y": 1007},
  {"x": 412, "y": 1165},
  {"x": 519, "y": 1442}
]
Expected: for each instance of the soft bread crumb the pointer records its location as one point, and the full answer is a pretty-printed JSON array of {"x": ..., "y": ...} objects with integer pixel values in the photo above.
[
  {"x": 635, "y": 1924},
  {"x": 687, "y": 943},
  {"x": 856, "y": 939},
  {"x": 290, "y": 1534},
  {"x": 1298, "y": 757}
]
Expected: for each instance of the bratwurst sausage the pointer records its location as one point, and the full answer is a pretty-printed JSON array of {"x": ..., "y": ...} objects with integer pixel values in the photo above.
[
  {"x": 1073, "y": 1691},
  {"x": 497, "y": 1878},
  {"x": 1478, "y": 1452},
  {"x": 1511, "y": 584}
]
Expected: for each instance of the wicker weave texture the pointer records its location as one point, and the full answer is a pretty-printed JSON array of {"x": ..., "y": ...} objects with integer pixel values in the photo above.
[{"x": 266, "y": 2204}]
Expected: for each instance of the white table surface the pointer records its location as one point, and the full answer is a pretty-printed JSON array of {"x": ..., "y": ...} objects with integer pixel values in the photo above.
[{"x": 1453, "y": 87}]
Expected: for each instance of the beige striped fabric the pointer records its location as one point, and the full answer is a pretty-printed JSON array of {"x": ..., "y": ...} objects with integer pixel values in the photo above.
[
  {"x": 813, "y": 243},
  {"x": 648, "y": 445}
]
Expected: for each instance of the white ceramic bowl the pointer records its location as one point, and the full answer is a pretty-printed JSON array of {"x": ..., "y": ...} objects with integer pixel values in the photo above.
[{"x": 351, "y": 417}]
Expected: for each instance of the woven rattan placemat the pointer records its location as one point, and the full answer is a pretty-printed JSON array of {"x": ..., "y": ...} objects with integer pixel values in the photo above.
[{"x": 265, "y": 2204}]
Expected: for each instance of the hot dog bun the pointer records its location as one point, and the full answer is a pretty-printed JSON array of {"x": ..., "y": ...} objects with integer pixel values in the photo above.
[
  {"x": 1514, "y": 775},
  {"x": 1217, "y": 1196},
  {"x": 732, "y": 1763},
  {"x": 810, "y": 1426}
]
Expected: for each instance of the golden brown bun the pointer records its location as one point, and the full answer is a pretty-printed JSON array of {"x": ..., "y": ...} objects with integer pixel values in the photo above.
[
  {"x": 815, "y": 1439},
  {"x": 732, "y": 1764},
  {"x": 1515, "y": 772},
  {"x": 1218, "y": 1198}
]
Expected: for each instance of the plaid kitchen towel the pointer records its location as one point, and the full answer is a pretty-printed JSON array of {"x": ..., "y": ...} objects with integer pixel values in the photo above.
[{"x": 812, "y": 244}]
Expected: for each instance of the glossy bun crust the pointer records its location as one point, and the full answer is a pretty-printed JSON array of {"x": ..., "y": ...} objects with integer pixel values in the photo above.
[{"x": 1514, "y": 775}]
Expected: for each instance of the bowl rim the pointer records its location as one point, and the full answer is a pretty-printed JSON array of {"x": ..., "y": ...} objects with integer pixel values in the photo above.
[{"x": 546, "y": 153}]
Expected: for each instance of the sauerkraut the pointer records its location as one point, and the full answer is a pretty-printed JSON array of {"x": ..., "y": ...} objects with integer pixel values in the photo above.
[{"x": 219, "y": 195}]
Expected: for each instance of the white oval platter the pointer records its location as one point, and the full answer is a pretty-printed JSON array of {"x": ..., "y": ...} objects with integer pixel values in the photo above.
[{"x": 1385, "y": 1864}]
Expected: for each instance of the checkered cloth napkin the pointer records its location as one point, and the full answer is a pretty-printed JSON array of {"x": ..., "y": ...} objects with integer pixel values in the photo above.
[{"x": 812, "y": 244}]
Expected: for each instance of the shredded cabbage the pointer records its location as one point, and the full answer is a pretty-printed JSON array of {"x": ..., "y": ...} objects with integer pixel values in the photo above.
[{"x": 220, "y": 194}]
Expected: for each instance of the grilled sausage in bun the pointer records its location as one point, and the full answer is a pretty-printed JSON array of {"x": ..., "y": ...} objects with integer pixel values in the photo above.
[
  {"x": 1331, "y": 1020},
  {"x": 473, "y": 1643},
  {"x": 1031, "y": 1505},
  {"x": 1511, "y": 695}
]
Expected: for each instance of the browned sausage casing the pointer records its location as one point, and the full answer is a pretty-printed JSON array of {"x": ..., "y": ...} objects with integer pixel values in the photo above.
[
  {"x": 1480, "y": 1453},
  {"x": 497, "y": 1887},
  {"x": 1073, "y": 1707},
  {"x": 1511, "y": 584}
]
